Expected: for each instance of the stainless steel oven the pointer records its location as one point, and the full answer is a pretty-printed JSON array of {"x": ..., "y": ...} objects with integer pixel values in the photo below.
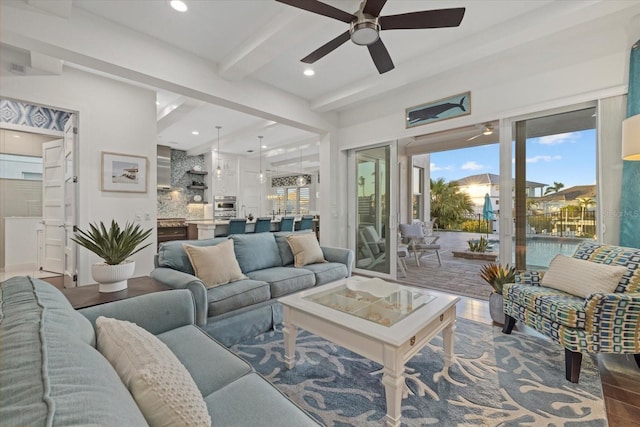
[{"x": 224, "y": 207}]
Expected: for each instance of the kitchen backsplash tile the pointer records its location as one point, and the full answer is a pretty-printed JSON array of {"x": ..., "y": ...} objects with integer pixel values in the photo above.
[{"x": 174, "y": 203}]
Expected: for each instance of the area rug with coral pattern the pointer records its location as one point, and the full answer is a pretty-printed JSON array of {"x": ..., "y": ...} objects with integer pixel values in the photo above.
[{"x": 496, "y": 380}]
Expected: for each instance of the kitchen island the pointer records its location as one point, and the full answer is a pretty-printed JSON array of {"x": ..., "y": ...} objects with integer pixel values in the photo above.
[{"x": 208, "y": 228}]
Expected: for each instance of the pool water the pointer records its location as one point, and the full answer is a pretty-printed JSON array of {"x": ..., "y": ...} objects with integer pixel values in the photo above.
[{"x": 540, "y": 251}]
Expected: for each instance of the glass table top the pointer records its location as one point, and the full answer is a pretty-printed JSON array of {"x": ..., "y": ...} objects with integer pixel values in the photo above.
[{"x": 374, "y": 300}]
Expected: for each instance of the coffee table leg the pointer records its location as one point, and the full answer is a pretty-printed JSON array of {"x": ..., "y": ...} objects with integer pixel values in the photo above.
[
  {"x": 393, "y": 381},
  {"x": 447, "y": 338},
  {"x": 290, "y": 333}
]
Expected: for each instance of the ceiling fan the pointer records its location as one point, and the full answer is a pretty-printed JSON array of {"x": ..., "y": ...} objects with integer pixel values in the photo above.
[
  {"x": 366, "y": 24},
  {"x": 487, "y": 129}
]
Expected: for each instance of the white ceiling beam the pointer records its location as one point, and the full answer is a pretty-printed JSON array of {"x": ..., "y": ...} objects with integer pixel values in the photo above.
[
  {"x": 61, "y": 8},
  {"x": 240, "y": 134},
  {"x": 46, "y": 63},
  {"x": 177, "y": 111},
  {"x": 285, "y": 31}
]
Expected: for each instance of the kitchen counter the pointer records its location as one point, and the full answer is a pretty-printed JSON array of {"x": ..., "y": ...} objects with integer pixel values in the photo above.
[{"x": 208, "y": 228}]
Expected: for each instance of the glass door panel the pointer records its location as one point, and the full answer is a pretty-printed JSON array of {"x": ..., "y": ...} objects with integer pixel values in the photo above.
[
  {"x": 373, "y": 202},
  {"x": 555, "y": 186}
]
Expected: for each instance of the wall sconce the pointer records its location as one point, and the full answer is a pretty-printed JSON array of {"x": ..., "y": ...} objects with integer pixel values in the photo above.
[{"x": 631, "y": 138}]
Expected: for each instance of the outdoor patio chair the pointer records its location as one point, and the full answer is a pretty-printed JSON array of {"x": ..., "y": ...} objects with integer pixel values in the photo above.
[
  {"x": 417, "y": 243},
  {"x": 372, "y": 246}
]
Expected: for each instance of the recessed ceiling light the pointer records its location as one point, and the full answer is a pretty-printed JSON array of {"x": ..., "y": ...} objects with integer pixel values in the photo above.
[
  {"x": 308, "y": 72},
  {"x": 178, "y": 5},
  {"x": 157, "y": 102},
  {"x": 264, "y": 146},
  {"x": 195, "y": 132}
]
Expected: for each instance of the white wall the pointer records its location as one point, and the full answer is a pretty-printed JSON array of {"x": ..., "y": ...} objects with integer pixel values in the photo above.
[{"x": 113, "y": 117}]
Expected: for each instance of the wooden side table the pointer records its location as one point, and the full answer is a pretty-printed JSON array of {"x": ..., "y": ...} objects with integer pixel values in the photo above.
[{"x": 88, "y": 296}]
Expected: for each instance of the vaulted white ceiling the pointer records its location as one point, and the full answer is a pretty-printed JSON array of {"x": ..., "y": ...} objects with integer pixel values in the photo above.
[{"x": 249, "y": 41}]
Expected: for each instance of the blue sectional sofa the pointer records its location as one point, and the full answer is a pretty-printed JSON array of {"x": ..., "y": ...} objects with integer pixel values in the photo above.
[
  {"x": 246, "y": 308},
  {"x": 53, "y": 375}
]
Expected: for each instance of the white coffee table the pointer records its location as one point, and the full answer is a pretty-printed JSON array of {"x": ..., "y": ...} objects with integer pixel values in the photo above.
[{"x": 389, "y": 326}]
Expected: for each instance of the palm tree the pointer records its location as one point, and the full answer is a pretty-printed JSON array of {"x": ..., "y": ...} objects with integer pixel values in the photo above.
[
  {"x": 448, "y": 203},
  {"x": 557, "y": 186},
  {"x": 361, "y": 184},
  {"x": 584, "y": 203}
]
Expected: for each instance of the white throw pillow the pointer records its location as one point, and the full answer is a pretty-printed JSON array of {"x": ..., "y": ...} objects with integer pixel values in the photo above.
[
  {"x": 581, "y": 278},
  {"x": 161, "y": 386},
  {"x": 215, "y": 265},
  {"x": 305, "y": 249}
]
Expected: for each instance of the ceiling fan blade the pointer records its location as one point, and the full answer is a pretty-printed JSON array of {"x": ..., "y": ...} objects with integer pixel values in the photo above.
[
  {"x": 321, "y": 9},
  {"x": 326, "y": 48},
  {"x": 425, "y": 19},
  {"x": 373, "y": 7},
  {"x": 474, "y": 137},
  {"x": 381, "y": 57}
]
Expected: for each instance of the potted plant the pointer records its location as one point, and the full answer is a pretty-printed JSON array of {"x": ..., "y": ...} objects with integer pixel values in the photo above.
[
  {"x": 114, "y": 246},
  {"x": 497, "y": 275}
]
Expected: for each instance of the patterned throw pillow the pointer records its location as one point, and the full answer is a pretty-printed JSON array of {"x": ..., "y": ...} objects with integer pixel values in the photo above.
[
  {"x": 581, "y": 278},
  {"x": 215, "y": 265},
  {"x": 305, "y": 248},
  {"x": 162, "y": 387}
]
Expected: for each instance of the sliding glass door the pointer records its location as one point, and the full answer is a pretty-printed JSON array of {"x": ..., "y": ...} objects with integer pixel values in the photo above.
[
  {"x": 555, "y": 196},
  {"x": 374, "y": 207}
]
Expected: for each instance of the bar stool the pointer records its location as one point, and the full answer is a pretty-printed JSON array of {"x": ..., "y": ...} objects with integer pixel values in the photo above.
[
  {"x": 286, "y": 223},
  {"x": 306, "y": 223},
  {"x": 262, "y": 225},
  {"x": 237, "y": 226}
]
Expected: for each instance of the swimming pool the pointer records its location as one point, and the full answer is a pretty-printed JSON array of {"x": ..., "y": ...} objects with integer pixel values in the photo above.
[{"x": 541, "y": 250}]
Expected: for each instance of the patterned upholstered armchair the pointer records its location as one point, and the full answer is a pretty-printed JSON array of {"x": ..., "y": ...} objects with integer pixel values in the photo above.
[{"x": 599, "y": 323}]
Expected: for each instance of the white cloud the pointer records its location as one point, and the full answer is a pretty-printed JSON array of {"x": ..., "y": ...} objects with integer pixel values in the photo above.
[
  {"x": 560, "y": 138},
  {"x": 472, "y": 166},
  {"x": 542, "y": 158},
  {"x": 435, "y": 168}
]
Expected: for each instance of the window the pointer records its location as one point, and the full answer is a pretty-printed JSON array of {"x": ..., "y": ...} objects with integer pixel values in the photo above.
[{"x": 291, "y": 200}]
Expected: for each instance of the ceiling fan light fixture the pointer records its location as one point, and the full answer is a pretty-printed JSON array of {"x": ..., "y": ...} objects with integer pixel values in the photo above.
[
  {"x": 365, "y": 32},
  {"x": 488, "y": 130}
]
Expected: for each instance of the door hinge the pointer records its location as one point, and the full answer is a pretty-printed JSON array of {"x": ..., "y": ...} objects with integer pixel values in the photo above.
[
  {"x": 75, "y": 179},
  {"x": 75, "y": 228},
  {"x": 75, "y": 277},
  {"x": 75, "y": 130}
]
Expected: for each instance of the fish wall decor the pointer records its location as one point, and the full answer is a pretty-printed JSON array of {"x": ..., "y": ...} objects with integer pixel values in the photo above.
[{"x": 446, "y": 108}]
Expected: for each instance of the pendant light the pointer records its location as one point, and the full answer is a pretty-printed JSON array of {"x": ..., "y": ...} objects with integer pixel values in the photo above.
[
  {"x": 218, "y": 172},
  {"x": 301, "y": 180},
  {"x": 261, "y": 176}
]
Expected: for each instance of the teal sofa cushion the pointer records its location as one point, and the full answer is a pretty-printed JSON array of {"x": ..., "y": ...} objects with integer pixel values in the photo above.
[
  {"x": 267, "y": 406},
  {"x": 283, "y": 246},
  {"x": 328, "y": 272},
  {"x": 284, "y": 280},
  {"x": 234, "y": 295},
  {"x": 172, "y": 254},
  {"x": 49, "y": 367},
  {"x": 256, "y": 251},
  {"x": 198, "y": 352}
]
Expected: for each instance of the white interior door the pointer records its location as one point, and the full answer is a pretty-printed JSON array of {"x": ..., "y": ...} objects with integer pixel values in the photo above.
[
  {"x": 53, "y": 205},
  {"x": 70, "y": 182}
]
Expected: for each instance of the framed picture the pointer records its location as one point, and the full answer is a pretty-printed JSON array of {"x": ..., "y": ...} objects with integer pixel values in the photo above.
[
  {"x": 124, "y": 172},
  {"x": 446, "y": 108}
]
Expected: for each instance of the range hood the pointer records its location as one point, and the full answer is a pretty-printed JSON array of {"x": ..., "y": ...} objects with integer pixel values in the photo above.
[{"x": 164, "y": 167}]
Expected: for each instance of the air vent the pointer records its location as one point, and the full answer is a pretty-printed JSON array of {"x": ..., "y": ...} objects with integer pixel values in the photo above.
[{"x": 18, "y": 69}]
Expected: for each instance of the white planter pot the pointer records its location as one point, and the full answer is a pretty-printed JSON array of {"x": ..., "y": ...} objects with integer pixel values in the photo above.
[
  {"x": 496, "y": 308},
  {"x": 112, "y": 278}
]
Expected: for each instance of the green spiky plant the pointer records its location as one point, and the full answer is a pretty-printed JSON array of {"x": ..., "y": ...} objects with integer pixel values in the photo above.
[
  {"x": 480, "y": 246},
  {"x": 113, "y": 245},
  {"x": 497, "y": 275}
]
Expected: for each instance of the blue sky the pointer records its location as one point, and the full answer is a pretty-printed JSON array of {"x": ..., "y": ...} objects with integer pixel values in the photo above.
[{"x": 569, "y": 158}]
